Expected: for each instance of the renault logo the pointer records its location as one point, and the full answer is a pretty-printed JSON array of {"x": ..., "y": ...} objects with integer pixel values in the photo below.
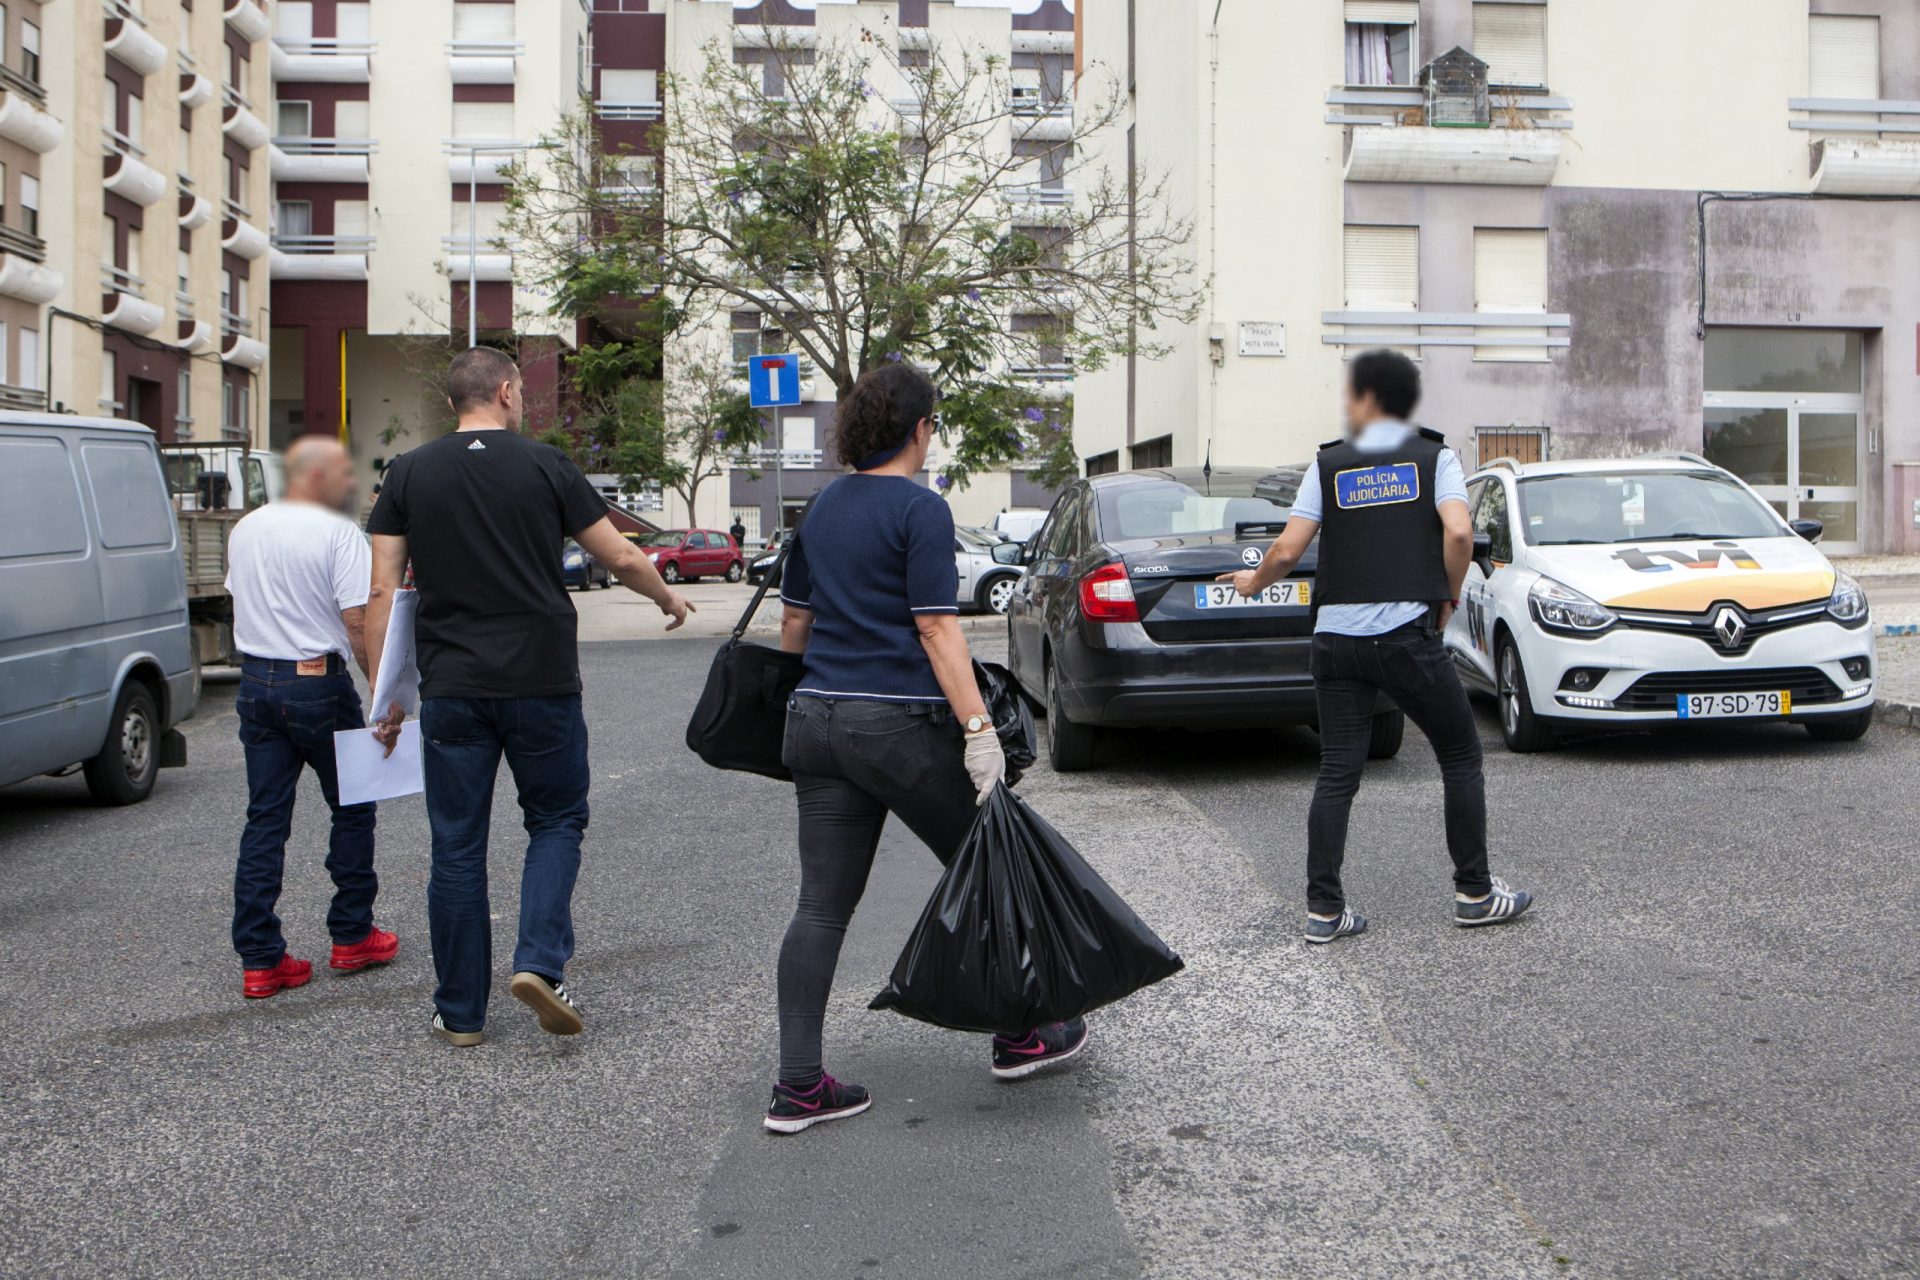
[
  {"x": 1252, "y": 556},
  {"x": 1730, "y": 627}
]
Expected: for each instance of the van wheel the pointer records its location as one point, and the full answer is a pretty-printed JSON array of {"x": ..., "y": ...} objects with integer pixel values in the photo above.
[
  {"x": 1842, "y": 728},
  {"x": 1519, "y": 726},
  {"x": 1389, "y": 731},
  {"x": 735, "y": 572},
  {"x": 1069, "y": 745},
  {"x": 124, "y": 770}
]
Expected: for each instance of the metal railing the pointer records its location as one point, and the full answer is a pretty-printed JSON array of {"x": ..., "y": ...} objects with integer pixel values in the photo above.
[
  {"x": 22, "y": 398},
  {"x": 22, "y": 244},
  {"x": 627, "y": 110},
  {"x": 806, "y": 365},
  {"x": 1385, "y": 104},
  {"x": 787, "y": 457},
  {"x": 1866, "y": 116},
  {"x": 183, "y": 304},
  {"x": 1036, "y": 193},
  {"x": 120, "y": 280},
  {"x": 310, "y": 244},
  {"x": 326, "y": 47},
  {"x": 485, "y": 48},
  {"x": 1024, "y": 104},
  {"x": 232, "y": 323},
  {"x": 307, "y": 145},
  {"x": 119, "y": 144},
  {"x": 124, "y": 9},
  {"x": 231, "y": 208},
  {"x": 22, "y": 84},
  {"x": 1060, "y": 372}
]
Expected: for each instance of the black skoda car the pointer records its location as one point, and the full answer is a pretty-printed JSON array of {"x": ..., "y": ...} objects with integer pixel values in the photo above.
[{"x": 1119, "y": 622}]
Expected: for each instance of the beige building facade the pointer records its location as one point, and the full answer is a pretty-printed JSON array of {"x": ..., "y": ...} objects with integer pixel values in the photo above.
[{"x": 1603, "y": 227}]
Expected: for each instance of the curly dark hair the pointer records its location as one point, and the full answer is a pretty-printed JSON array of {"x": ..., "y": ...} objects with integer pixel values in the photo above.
[{"x": 882, "y": 410}]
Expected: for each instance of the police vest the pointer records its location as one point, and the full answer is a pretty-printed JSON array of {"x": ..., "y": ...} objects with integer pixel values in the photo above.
[{"x": 1380, "y": 535}]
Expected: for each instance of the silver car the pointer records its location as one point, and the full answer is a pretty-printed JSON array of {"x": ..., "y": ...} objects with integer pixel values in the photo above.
[{"x": 989, "y": 568}]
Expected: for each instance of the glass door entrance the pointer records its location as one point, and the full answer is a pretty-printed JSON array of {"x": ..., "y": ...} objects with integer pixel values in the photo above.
[{"x": 1784, "y": 412}]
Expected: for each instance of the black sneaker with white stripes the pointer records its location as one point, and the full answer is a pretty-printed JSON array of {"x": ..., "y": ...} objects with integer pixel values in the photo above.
[
  {"x": 1345, "y": 925},
  {"x": 550, "y": 1001},
  {"x": 1498, "y": 907}
]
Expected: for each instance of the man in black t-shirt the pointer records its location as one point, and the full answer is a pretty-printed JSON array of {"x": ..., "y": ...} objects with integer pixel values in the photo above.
[{"x": 482, "y": 514}]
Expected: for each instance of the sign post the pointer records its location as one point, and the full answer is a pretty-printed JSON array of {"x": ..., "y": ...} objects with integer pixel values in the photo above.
[{"x": 774, "y": 381}]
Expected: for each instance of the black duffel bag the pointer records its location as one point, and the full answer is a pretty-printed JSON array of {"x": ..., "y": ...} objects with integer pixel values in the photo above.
[{"x": 741, "y": 717}]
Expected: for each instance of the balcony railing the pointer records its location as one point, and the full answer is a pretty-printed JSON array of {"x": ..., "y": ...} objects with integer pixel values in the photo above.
[
  {"x": 1036, "y": 194},
  {"x": 786, "y": 457},
  {"x": 1061, "y": 372},
  {"x": 118, "y": 143},
  {"x": 302, "y": 145},
  {"x": 1861, "y": 147},
  {"x": 327, "y": 47},
  {"x": 232, "y": 208},
  {"x": 232, "y": 323},
  {"x": 11, "y": 79},
  {"x": 22, "y": 399},
  {"x": 485, "y": 48},
  {"x": 120, "y": 280},
  {"x": 1387, "y": 105},
  {"x": 183, "y": 304},
  {"x": 297, "y": 245},
  {"x": 628, "y": 110},
  {"x": 1029, "y": 104},
  {"x": 22, "y": 244}
]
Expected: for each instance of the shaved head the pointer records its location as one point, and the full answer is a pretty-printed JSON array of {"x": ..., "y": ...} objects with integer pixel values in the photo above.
[{"x": 320, "y": 470}]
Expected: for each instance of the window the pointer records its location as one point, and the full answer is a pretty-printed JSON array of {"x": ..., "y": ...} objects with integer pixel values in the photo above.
[
  {"x": 132, "y": 509},
  {"x": 1382, "y": 273},
  {"x": 30, "y": 51},
  {"x": 34, "y": 476},
  {"x": 5, "y": 350},
  {"x": 30, "y": 204},
  {"x": 489, "y": 219},
  {"x": 293, "y": 20},
  {"x": 799, "y": 432},
  {"x": 1522, "y": 444},
  {"x": 483, "y": 22},
  {"x": 3, "y": 33},
  {"x": 110, "y": 243},
  {"x": 30, "y": 359},
  {"x": 480, "y": 121},
  {"x": 1101, "y": 464},
  {"x": 1512, "y": 40},
  {"x": 350, "y": 218},
  {"x": 294, "y": 217},
  {"x": 1843, "y": 56},
  {"x": 109, "y": 381},
  {"x": 226, "y": 292},
  {"x": 1152, "y": 453},
  {"x": 1382, "y": 41},
  {"x": 183, "y": 396},
  {"x": 623, "y": 85},
  {"x": 351, "y": 120},
  {"x": 353, "y": 20},
  {"x": 1490, "y": 518},
  {"x": 1510, "y": 275},
  {"x": 293, "y": 118},
  {"x": 233, "y": 409},
  {"x": 183, "y": 271},
  {"x": 134, "y": 130}
]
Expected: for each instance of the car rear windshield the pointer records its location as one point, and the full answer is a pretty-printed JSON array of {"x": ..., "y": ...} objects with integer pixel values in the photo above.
[
  {"x": 1641, "y": 506},
  {"x": 1178, "y": 508}
]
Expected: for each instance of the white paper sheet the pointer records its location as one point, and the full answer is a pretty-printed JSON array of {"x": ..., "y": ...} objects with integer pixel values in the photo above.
[
  {"x": 367, "y": 773},
  {"x": 399, "y": 673}
]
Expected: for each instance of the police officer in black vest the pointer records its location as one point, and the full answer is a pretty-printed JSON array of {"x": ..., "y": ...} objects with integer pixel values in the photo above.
[{"x": 1390, "y": 506}]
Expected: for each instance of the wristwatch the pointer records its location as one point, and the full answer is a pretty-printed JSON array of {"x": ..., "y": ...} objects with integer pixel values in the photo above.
[{"x": 977, "y": 724}]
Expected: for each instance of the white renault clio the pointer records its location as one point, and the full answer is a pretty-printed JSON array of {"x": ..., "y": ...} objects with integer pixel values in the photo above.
[{"x": 1661, "y": 588}]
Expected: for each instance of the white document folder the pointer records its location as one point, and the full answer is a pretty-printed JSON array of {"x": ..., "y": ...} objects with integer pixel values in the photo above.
[
  {"x": 399, "y": 672},
  {"x": 367, "y": 773}
]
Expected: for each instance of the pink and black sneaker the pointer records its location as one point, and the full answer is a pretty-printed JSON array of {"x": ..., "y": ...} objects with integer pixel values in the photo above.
[
  {"x": 1041, "y": 1048},
  {"x": 793, "y": 1110}
]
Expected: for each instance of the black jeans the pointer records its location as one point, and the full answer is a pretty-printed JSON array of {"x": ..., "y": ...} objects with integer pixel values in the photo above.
[
  {"x": 1411, "y": 666},
  {"x": 853, "y": 763},
  {"x": 287, "y": 723}
]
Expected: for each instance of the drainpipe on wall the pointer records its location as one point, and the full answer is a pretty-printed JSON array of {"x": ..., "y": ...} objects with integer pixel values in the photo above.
[{"x": 1214, "y": 358}]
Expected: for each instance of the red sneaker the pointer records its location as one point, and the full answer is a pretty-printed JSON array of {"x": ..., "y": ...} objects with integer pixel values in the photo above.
[
  {"x": 261, "y": 983},
  {"x": 378, "y": 947}
]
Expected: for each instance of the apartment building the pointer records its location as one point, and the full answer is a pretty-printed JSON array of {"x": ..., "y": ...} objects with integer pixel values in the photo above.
[
  {"x": 133, "y": 212},
  {"x": 1603, "y": 227},
  {"x": 1034, "y": 38},
  {"x": 392, "y": 123}
]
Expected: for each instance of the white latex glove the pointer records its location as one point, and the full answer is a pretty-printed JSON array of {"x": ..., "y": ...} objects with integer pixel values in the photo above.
[{"x": 986, "y": 763}]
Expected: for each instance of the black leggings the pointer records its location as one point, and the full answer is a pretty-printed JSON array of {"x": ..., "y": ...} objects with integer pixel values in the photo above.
[{"x": 853, "y": 763}]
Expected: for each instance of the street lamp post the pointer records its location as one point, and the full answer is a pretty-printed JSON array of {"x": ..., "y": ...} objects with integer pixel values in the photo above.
[{"x": 474, "y": 151}]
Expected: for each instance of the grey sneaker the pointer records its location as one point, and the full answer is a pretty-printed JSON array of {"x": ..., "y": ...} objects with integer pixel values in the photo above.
[
  {"x": 458, "y": 1039},
  {"x": 1498, "y": 907},
  {"x": 549, "y": 1000},
  {"x": 1349, "y": 923}
]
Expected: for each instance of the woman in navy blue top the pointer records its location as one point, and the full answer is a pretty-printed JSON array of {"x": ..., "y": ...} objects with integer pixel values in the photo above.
[{"x": 887, "y": 718}]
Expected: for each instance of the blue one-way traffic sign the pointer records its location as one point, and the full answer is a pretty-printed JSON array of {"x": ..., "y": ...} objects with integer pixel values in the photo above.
[{"x": 773, "y": 381}]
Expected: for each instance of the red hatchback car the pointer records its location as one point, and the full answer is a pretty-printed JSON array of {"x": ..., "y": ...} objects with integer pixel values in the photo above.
[{"x": 682, "y": 555}]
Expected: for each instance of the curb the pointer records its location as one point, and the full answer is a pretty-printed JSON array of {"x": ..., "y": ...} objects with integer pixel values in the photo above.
[{"x": 1899, "y": 714}]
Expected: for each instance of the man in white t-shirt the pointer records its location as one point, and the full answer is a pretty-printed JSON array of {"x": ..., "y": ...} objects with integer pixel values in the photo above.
[{"x": 299, "y": 574}]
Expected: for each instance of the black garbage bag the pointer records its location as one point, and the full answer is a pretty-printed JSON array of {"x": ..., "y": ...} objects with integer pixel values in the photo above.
[
  {"x": 1021, "y": 932},
  {"x": 1010, "y": 716}
]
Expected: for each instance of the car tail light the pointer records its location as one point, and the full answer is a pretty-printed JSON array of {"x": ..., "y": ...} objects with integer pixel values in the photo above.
[{"x": 1106, "y": 595}]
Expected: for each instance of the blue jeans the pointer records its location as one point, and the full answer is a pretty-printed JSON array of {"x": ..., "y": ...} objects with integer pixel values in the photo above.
[
  {"x": 287, "y": 722},
  {"x": 545, "y": 743}
]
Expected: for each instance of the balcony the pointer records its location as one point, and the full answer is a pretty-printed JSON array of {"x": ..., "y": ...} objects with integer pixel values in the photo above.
[
  {"x": 244, "y": 127},
  {"x": 192, "y": 335},
  {"x": 22, "y": 399},
  {"x": 121, "y": 303},
  {"x": 238, "y": 236},
  {"x": 23, "y": 270},
  {"x": 320, "y": 257},
  {"x": 323, "y": 61},
  {"x": 303, "y": 159},
  {"x": 1041, "y": 120},
  {"x": 1869, "y": 147},
  {"x": 1485, "y": 157},
  {"x": 493, "y": 262},
  {"x": 801, "y": 458},
  {"x": 22, "y": 121},
  {"x": 487, "y": 166},
  {"x": 1036, "y": 196},
  {"x": 248, "y": 20},
  {"x": 241, "y": 351},
  {"x": 194, "y": 210},
  {"x": 483, "y": 61},
  {"x": 128, "y": 41},
  {"x": 627, "y": 111},
  {"x": 195, "y": 89},
  {"x": 125, "y": 174},
  {"x": 1456, "y": 329}
]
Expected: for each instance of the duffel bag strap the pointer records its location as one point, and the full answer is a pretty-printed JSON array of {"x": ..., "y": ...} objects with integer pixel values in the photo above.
[{"x": 773, "y": 574}]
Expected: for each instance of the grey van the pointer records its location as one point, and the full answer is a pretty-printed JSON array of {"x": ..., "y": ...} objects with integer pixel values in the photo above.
[{"x": 96, "y": 658}]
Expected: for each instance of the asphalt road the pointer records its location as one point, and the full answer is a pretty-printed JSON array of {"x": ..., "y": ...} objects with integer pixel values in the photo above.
[{"x": 1700, "y": 1057}]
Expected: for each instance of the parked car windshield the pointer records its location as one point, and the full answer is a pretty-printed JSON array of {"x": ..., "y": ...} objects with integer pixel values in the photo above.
[
  {"x": 664, "y": 538},
  {"x": 1176, "y": 508},
  {"x": 1641, "y": 506},
  {"x": 975, "y": 538}
]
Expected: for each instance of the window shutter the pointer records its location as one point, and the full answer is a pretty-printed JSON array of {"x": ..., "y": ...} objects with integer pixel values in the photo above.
[
  {"x": 352, "y": 120},
  {"x": 1383, "y": 268},
  {"x": 353, "y": 20},
  {"x": 628, "y": 86},
  {"x": 483, "y": 22},
  {"x": 1510, "y": 274},
  {"x": 483, "y": 120},
  {"x": 1512, "y": 40},
  {"x": 1843, "y": 56},
  {"x": 293, "y": 20},
  {"x": 1405, "y": 12},
  {"x": 350, "y": 218}
]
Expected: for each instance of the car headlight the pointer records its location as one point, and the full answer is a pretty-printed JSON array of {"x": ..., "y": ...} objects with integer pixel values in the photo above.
[
  {"x": 575, "y": 560},
  {"x": 1848, "y": 603},
  {"x": 1558, "y": 607}
]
